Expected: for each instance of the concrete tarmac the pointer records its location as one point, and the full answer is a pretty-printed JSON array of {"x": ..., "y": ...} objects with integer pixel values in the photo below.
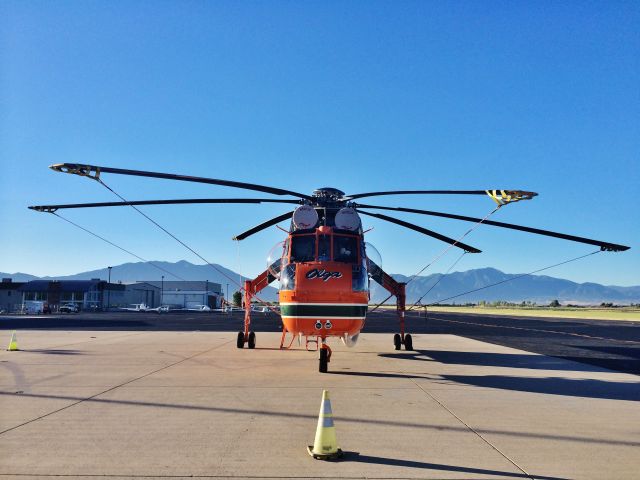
[{"x": 111, "y": 403}]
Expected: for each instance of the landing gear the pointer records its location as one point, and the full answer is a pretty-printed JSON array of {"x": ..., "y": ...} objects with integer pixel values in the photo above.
[
  {"x": 251, "y": 341},
  {"x": 324, "y": 360},
  {"x": 408, "y": 342},
  {"x": 325, "y": 356}
]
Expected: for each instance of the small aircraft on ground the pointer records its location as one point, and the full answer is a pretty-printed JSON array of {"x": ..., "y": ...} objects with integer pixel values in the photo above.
[
  {"x": 324, "y": 265},
  {"x": 199, "y": 308},
  {"x": 137, "y": 307},
  {"x": 143, "y": 307}
]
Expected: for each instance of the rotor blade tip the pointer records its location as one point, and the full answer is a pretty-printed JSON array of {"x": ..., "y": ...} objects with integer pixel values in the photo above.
[{"x": 38, "y": 208}]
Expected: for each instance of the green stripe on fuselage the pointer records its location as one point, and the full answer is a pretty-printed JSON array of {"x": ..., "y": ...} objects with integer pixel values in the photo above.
[{"x": 323, "y": 311}]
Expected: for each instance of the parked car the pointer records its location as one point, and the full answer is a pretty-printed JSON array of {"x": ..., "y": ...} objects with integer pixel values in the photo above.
[{"x": 69, "y": 308}]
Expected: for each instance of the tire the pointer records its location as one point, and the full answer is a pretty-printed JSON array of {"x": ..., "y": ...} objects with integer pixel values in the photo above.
[
  {"x": 408, "y": 342},
  {"x": 397, "y": 341},
  {"x": 240, "y": 342},
  {"x": 252, "y": 340},
  {"x": 324, "y": 360}
]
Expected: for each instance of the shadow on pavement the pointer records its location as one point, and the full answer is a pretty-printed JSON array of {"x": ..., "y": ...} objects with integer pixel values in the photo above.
[
  {"x": 57, "y": 352},
  {"x": 488, "y": 359},
  {"x": 312, "y": 418},
  {"x": 380, "y": 374},
  {"x": 356, "y": 457},
  {"x": 586, "y": 388}
]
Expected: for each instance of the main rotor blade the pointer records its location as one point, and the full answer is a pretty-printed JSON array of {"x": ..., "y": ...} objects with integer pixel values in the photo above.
[
  {"x": 417, "y": 192},
  {"x": 262, "y": 226},
  {"x": 501, "y": 197},
  {"x": 53, "y": 208},
  {"x": 417, "y": 228},
  {"x": 86, "y": 170},
  {"x": 603, "y": 245}
]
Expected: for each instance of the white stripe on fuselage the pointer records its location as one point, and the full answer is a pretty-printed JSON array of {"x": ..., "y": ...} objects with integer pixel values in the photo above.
[
  {"x": 329, "y": 304},
  {"x": 322, "y": 316}
]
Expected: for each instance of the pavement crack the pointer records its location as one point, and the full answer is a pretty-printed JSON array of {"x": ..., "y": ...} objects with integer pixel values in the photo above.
[{"x": 476, "y": 432}]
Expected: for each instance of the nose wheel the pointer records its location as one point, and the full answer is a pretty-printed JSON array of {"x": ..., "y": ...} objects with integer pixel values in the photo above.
[{"x": 325, "y": 358}]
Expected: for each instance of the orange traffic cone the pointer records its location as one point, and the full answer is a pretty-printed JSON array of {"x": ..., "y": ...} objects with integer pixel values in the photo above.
[{"x": 325, "y": 446}]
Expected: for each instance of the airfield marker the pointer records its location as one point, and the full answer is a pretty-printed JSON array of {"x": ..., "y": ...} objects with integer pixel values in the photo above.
[
  {"x": 325, "y": 445},
  {"x": 13, "y": 343}
]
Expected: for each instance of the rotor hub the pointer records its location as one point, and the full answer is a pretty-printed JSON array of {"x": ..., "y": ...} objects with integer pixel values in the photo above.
[{"x": 328, "y": 193}]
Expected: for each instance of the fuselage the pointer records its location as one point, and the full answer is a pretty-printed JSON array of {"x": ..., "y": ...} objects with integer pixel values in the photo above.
[{"x": 324, "y": 286}]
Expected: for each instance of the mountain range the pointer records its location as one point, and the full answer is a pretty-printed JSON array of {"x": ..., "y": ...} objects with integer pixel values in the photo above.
[{"x": 534, "y": 288}]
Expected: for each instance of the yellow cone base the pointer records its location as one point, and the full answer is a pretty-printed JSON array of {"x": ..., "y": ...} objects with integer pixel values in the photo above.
[
  {"x": 13, "y": 344},
  {"x": 324, "y": 456}
]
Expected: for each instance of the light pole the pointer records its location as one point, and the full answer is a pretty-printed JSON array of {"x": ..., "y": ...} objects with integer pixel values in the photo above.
[
  {"x": 162, "y": 291},
  {"x": 109, "y": 289},
  {"x": 226, "y": 299}
]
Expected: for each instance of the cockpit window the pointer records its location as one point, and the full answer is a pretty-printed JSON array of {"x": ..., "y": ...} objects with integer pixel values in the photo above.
[
  {"x": 345, "y": 249},
  {"x": 324, "y": 247},
  {"x": 303, "y": 248}
]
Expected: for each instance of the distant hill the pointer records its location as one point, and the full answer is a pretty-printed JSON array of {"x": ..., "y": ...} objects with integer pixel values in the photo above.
[
  {"x": 141, "y": 271},
  {"x": 19, "y": 277},
  {"x": 535, "y": 288}
]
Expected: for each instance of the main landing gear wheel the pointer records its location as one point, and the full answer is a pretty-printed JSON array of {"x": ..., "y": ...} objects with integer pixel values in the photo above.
[
  {"x": 252, "y": 340},
  {"x": 324, "y": 360},
  {"x": 397, "y": 341},
  {"x": 240, "y": 341},
  {"x": 408, "y": 342}
]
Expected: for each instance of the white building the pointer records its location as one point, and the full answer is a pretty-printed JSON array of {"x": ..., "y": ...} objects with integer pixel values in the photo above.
[{"x": 188, "y": 294}]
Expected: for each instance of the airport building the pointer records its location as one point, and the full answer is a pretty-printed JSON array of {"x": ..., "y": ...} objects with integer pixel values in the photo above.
[
  {"x": 189, "y": 294},
  {"x": 40, "y": 296},
  {"x": 9, "y": 294}
]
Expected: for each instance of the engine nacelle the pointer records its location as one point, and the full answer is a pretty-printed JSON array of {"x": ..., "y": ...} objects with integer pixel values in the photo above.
[{"x": 350, "y": 340}]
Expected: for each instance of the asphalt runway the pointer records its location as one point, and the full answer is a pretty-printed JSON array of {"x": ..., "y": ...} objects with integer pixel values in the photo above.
[{"x": 614, "y": 345}]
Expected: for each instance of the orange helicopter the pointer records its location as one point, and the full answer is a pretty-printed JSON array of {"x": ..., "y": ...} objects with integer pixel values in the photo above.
[{"x": 324, "y": 266}]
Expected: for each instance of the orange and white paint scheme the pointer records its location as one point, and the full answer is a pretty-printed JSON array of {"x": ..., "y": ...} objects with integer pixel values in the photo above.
[{"x": 324, "y": 276}]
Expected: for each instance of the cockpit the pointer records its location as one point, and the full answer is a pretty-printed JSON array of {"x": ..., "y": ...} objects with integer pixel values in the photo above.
[{"x": 323, "y": 247}]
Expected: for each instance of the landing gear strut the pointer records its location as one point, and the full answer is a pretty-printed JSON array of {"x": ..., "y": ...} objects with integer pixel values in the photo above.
[
  {"x": 401, "y": 338},
  {"x": 325, "y": 357}
]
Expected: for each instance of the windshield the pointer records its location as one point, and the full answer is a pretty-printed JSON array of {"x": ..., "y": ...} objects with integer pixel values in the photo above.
[
  {"x": 303, "y": 248},
  {"x": 345, "y": 249}
]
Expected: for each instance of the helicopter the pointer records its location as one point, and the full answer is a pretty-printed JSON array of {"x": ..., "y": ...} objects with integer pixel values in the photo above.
[{"x": 324, "y": 266}]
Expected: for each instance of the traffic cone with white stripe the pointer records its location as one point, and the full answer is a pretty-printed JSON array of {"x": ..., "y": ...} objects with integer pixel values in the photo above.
[
  {"x": 13, "y": 343},
  {"x": 325, "y": 446}
]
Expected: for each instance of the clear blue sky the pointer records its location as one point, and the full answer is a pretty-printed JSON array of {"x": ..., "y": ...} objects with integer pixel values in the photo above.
[{"x": 361, "y": 96}]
